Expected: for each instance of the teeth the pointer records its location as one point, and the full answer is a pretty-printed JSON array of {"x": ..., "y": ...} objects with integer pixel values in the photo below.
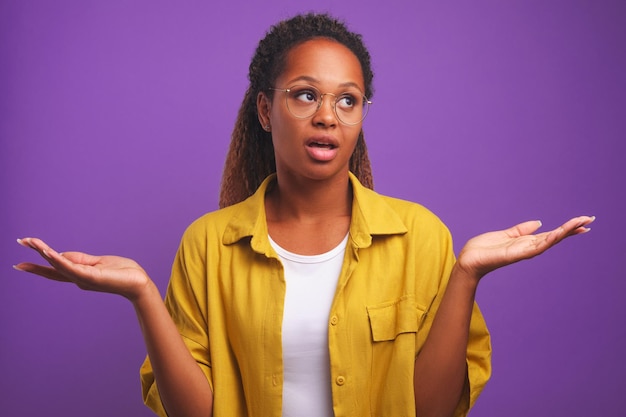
[{"x": 322, "y": 145}]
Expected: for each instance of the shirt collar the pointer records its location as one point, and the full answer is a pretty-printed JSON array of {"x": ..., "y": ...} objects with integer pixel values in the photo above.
[{"x": 371, "y": 216}]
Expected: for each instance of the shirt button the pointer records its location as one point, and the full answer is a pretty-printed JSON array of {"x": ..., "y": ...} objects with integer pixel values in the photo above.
[
  {"x": 340, "y": 380},
  {"x": 334, "y": 320}
]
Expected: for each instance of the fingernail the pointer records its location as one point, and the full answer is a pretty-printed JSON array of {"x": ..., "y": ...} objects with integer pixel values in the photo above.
[
  {"x": 17, "y": 268},
  {"x": 540, "y": 224},
  {"x": 25, "y": 242}
]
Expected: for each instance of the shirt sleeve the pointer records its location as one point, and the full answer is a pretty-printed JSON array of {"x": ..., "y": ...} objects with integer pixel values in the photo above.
[
  {"x": 478, "y": 363},
  {"x": 478, "y": 359},
  {"x": 186, "y": 301},
  {"x": 478, "y": 356}
]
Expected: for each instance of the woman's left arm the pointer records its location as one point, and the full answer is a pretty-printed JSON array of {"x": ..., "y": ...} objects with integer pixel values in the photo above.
[{"x": 440, "y": 367}]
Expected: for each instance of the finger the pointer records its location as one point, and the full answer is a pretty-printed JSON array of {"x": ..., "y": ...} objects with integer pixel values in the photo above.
[
  {"x": 523, "y": 229},
  {"x": 74, "y": 257},
  {"x": 67, "y": 263},
  {"x": 24, "y": 242},
  {"x": 572, "y": 227},
  {"x": 577, "y": 225},
  {"x": 81, "y": 258},
  {"x": 63, "y": 264},
  {"x": 586, "y": 221},
  {"x": 64, "y": 269},
  {"x": 34, "y": 243},
  {"x": 44, "y": 271},
  {"x": 44, "y": 250}
]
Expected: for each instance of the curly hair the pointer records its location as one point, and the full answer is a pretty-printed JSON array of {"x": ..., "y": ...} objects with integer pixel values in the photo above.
[{"x": 250, "y": 157}]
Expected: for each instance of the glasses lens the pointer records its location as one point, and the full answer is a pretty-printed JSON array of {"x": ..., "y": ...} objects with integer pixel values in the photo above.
[
  {"x": 351, "y": 107},
  {"x": 303, "y": 101}
]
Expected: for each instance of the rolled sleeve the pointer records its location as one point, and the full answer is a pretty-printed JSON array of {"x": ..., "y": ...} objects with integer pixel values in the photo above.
[{"x": 186, "y": 301}]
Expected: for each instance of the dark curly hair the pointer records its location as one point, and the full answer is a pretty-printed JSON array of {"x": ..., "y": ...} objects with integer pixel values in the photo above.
[{"x": 251, "y": 154}]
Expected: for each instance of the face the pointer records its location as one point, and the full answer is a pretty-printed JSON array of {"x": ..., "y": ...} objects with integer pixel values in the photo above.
[{"x": 318, "y": 147}]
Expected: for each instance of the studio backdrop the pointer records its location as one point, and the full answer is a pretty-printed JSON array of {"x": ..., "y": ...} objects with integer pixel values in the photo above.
[{"x": 115, "y": 117}]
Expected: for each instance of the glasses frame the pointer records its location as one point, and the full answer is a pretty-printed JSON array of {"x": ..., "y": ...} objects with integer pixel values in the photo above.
[{"x": 320, "y": 101}]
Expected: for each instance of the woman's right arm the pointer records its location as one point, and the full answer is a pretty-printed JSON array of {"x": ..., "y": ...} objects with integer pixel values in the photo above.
[{"x": 183, "y": 388}]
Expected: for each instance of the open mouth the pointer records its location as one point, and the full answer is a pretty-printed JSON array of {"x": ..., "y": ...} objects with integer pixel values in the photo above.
[{"x": 322, "y": 145}]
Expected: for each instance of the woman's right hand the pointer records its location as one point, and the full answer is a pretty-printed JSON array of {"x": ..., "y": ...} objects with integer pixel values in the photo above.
[{"x": 112, "y": 274}]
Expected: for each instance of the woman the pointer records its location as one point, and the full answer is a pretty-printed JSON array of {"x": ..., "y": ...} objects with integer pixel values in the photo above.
[{"x": 308, "y": 294}]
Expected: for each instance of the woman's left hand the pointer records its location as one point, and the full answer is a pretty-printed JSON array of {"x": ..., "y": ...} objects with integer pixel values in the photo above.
[{"x": 489, "y": 251}]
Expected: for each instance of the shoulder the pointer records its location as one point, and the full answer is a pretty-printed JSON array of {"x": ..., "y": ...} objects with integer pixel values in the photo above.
[
  {"x": 414, "y": 213},
  {"x": 231, "y": 224},
  {"x": 382, "y": 212},
  {"x": 211, "y": 223}
]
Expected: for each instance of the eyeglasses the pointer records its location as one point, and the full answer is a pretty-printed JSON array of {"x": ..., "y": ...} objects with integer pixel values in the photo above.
[{"x": 303, "y": 101}]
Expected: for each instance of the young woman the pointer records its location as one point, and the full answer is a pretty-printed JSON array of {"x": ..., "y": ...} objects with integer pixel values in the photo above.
[{"x": 308, "y": 294}]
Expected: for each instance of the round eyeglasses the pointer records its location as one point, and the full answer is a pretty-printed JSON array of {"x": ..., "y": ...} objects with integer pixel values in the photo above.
[{"x": 303, "y": 101}]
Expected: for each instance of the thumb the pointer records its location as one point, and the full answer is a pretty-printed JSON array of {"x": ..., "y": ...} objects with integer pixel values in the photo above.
[
  {"x": 524, "y": 229},
  {"x": 81, "y": 258}
]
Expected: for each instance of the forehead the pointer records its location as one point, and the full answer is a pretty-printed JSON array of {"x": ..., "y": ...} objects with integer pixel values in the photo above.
[{"x": 323, "y": 61}]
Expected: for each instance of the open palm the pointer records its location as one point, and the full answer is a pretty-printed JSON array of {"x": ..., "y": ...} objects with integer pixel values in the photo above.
[
  {"x": 112, "y": 274},
  {"x": 489, "y": 251}
]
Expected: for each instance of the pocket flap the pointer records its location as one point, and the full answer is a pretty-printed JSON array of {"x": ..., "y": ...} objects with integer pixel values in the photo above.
[{"x": 390, "y": 319}]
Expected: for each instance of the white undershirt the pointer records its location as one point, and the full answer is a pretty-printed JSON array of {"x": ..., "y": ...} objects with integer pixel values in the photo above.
[{"x": 311, "y": 283}]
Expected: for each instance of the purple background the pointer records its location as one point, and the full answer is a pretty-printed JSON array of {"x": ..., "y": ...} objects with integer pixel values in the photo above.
[{"x": 115, "y": 117}]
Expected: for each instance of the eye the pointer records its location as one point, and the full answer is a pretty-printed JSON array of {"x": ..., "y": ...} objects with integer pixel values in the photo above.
[
  {"x": 304, "y": 95},
  {"x": 347, "y": 101}
]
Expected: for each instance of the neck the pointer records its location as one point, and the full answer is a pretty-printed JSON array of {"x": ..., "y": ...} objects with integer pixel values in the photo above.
[{"x": 294, "y": 199}]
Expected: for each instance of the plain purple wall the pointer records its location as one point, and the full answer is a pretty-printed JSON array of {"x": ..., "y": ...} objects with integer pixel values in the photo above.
[{"x": 115, "y": 117}]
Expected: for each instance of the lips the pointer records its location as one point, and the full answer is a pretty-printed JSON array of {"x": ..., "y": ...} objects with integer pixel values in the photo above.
[
  {"x": 326, "y": 142},
  {"x": 322, "y": 145},
  {"x": 322, "y": 148}
]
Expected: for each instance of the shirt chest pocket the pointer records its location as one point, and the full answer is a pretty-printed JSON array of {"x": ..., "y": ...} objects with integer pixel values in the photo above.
[{"x": 391, "y": 319}]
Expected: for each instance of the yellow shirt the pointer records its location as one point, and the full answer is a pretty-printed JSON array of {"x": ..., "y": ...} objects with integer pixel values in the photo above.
[{"x": 226, "y": 296}]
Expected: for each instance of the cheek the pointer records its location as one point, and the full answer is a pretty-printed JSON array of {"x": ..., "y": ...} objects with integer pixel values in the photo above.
[
  {"x": 354, "y": 136},
  {"x": 278, "y": 113},
  {"x": 280, "y": 122}
]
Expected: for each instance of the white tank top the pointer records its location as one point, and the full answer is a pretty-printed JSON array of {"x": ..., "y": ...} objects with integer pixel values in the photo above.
[{"x": 311, "y": 284}]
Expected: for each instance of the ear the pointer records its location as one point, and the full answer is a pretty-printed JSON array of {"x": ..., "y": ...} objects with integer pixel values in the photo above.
[{"x": 263, "y": 108}]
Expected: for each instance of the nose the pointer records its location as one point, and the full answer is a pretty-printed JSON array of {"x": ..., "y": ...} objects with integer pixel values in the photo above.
[{"x": 325, "y": 115}]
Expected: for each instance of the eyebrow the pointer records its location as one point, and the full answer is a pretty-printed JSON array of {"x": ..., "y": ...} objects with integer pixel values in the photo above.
[{"x": 313, "y": 80}]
